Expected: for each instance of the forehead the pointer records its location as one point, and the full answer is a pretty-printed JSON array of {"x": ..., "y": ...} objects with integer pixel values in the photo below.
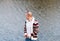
[{"x": 29, "y": 13}]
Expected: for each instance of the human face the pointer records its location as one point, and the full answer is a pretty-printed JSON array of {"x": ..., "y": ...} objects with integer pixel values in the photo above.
[{"x": 28, "y": 16}]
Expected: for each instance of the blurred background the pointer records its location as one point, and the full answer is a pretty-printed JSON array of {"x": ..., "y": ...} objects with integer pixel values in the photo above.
[{"x": 12, "y": 19}]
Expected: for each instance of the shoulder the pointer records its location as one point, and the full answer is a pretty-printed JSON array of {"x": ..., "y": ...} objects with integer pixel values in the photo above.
[
  {"x": 35, "y": 21},
  {"x": 25, "y": 21},
  {"x": 36, "y": 24}
]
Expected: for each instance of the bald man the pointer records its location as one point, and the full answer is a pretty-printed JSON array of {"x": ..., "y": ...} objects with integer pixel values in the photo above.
[{"x": 31, "y": 27}]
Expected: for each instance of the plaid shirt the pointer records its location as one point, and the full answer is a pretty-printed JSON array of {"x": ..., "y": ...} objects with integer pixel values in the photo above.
[{"x": 35, "y": 29}]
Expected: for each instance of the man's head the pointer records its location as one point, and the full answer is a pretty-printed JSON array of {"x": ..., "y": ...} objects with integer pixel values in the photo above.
[{"x": 28, "y": 15}]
